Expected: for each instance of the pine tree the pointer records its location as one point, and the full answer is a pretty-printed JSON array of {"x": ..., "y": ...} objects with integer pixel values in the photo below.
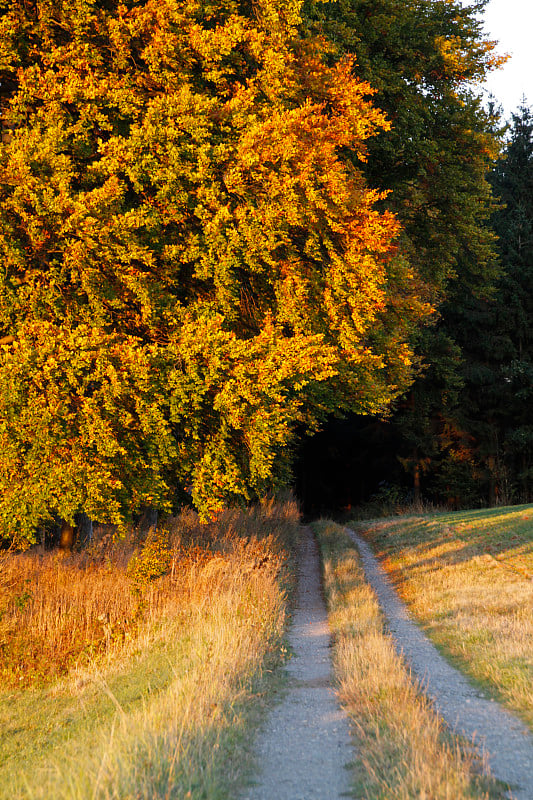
[
  {"x": 487, "y": 438},
  {"x": 504, "y": 402}
]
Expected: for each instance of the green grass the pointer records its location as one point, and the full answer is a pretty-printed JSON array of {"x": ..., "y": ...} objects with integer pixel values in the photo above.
[
  {"x": 177, "y": 721},
  {"x": 40, "y": 727},
  {"x": 403, "y": 750},
  {"x": 468, "y": 578}
]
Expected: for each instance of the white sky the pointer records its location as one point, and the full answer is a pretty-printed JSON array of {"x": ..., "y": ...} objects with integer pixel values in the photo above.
[{"x": 511, "y": 23}]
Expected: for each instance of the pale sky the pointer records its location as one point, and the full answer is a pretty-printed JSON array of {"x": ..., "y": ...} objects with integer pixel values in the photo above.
[{"x": 511, "y": 23}]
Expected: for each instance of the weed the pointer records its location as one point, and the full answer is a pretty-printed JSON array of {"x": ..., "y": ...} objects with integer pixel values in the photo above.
[{"x": 147, "y": 704}]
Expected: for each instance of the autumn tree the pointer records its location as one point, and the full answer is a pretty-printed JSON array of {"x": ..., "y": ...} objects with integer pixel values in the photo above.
[
  {"x": 192, "y": 262},
  {"x": 425, "y": 59}
]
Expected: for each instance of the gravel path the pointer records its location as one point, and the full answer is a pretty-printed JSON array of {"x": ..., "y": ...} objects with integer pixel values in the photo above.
[
  {"x": 305, "y": 747},
  {"x": 507, "y": 743}
]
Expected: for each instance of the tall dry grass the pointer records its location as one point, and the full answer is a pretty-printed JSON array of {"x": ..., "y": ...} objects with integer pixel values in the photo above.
[
  {"x": 58, "y": 611},
  {"x": 204, "y": 603},
  {"x": 404, "y": 751}
]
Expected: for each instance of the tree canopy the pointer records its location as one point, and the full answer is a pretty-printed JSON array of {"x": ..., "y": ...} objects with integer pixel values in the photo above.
[
  {"x": 192, "y": 260},
  {"x": 426, "y": 59}
]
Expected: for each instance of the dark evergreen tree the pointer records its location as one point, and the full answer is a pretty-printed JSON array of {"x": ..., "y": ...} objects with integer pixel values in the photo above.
[
  {"x": 507, "y": 407},
  {"x": 485, "y": 437}
]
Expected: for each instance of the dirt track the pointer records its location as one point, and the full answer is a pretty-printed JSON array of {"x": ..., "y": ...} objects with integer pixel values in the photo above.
[{"x": 305, "y": 747}]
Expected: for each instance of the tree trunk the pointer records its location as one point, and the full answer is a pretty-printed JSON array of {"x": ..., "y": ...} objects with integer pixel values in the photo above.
[
  {"x": 148, "y": 519},
  {"x": 84, "y": 525},
  {"x": 416, "y": 485},
  {"x": 67, "y": 536}
]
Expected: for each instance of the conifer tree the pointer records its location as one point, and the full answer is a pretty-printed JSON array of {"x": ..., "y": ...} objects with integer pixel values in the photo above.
[
  {"x": 484, "y": 434},
  {"x": 498, "y": 335}
]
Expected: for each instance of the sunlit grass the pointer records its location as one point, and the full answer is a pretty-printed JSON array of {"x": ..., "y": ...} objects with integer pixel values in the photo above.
[
  {"x": 468, "y": 577},
  {"x": 167, "y": 708},
  {"x": 403, "y": 750}
]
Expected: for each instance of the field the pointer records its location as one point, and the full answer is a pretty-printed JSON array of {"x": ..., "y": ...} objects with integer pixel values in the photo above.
[
  {"x": 136, "y": 668},
  {"x": 403, "y": 750},
  {"x": 468, "y": 578},
  {"x": 140, "y": 667}
]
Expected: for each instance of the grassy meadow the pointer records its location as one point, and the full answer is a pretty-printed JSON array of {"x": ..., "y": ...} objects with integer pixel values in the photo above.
[
  {"x": 467, "y": 577},
  {"x": 403, "y": 750},
  {"x": 137, "y": 667}
]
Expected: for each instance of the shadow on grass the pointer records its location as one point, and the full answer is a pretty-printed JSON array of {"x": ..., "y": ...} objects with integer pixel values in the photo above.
[{"x": 455, "y": 537}]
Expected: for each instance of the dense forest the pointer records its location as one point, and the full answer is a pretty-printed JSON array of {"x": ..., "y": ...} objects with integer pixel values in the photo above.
[
  {"x": 246, "y": 245},
  {"x": 462, "y": 434}
]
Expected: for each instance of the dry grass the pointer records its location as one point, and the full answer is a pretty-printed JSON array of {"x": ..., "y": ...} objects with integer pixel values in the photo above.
[
  {"x": 404, "y": 751},
  {"x": 468, "y": 577},
  {"x": 161, "y": 646},
  {"x": 59, "y": 612}
]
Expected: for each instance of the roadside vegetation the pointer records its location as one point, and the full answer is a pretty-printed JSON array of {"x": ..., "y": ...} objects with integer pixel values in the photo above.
[
  {"x": 404, "y": 751},
  {"x": 137, "y": 667},
  {"x": 467, "y": 576}
]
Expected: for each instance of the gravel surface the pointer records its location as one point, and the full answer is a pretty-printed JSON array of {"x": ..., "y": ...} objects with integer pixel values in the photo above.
[
  {"x": 305, "y": 747},
  {"x": 506, "y": 742}
]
